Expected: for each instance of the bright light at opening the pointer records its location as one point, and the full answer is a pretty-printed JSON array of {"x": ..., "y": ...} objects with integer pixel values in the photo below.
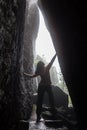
[{"x": 44, "y": 45}]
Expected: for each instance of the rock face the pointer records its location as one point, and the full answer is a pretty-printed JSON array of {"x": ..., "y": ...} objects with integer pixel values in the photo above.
[
  {"x": 67, "y": 23},
  {"x": 60, "y": 98},
  {"x": 30, "y": 34},
  {"x": 15, "y": 94},
  {"x": 11, "y": 35}
]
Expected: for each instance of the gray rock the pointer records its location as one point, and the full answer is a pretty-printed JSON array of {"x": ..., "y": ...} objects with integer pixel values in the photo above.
[
  {"x": 60, "y": 98},
  {"x": 15, "y": 90}
]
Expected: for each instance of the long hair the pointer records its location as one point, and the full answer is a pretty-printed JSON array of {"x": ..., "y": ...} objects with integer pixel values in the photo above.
[{"x": 39, "y": 67}]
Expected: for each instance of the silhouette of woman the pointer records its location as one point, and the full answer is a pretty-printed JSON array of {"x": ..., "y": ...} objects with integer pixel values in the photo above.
[{"x": 44, "y": 85}]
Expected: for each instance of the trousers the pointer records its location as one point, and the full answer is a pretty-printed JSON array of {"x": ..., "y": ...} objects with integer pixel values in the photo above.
[{"x": 41, "y": 90}]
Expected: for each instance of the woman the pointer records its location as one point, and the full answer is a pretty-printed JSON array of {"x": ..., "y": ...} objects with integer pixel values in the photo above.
[{"x": 44, "y": 85}]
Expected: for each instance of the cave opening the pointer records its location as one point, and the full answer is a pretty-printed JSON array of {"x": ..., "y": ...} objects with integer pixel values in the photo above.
[
  {"x": 38, "y": 45},
  {"x": 44, "y": 51}
]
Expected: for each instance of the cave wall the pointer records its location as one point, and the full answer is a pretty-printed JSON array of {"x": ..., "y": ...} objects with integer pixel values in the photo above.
[
  {"x": 18, "y": 31},
  {"x": 67, "y": 23},
  {"x": 30, "y": 34},
  {"x": 11, "y": 43}
]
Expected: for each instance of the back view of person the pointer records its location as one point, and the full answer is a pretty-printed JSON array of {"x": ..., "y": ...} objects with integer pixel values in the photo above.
[{"x": 44, "y": 85}]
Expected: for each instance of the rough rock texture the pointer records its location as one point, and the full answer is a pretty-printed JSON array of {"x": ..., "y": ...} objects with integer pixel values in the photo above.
[
  {"x": 30, "y": 34},
  {"x": 15, "y": 90},
  {"x": 67, "y": 23},
  {"x": 11, "y": 36}
]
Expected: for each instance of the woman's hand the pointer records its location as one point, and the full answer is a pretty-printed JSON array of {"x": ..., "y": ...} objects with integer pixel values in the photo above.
[
  {"x": 26, "y": 74},
  {"x": 29, "y": 75}
]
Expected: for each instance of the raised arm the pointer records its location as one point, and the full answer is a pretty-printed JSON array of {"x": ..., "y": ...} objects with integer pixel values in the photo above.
[
  {"x": 30, "y": 76},
  {"x": 51, "y": 62}
]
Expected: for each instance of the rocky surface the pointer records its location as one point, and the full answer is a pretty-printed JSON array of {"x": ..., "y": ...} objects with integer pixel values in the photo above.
[
  {"x": 67, "y": 24},
  {"x": 30, "y": 34},
  {"x": 11, "y": 37},
  {"x": 49, "y": 122},
  {"x": 15, "y": 90}
]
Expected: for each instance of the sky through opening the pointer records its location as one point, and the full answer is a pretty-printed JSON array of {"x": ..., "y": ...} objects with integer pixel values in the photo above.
[{"x": 44, "y": 45}]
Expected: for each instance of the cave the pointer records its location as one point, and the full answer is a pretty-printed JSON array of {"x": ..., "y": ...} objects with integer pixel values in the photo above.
[{"x": 66, "y": 22}]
